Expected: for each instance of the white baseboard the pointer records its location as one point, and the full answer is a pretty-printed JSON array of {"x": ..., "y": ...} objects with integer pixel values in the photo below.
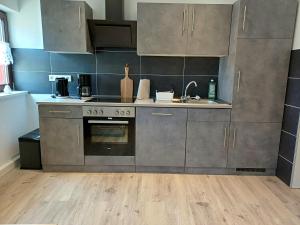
[{"x": 12, "y": 164}]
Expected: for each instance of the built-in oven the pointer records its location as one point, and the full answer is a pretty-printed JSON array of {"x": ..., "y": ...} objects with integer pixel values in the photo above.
[{"x": 109, "y": 131}]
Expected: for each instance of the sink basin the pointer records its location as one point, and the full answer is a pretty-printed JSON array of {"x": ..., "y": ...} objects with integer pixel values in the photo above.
[{"x": 194, "y": 101}]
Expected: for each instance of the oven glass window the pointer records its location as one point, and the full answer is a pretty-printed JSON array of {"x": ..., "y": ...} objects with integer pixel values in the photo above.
[{"x": 116, "y": 134}]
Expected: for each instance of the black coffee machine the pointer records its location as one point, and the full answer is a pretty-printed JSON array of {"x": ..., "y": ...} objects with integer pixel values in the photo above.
[
  {"x": 62, "y": 87},
  {"x": 84, "y": 85}
]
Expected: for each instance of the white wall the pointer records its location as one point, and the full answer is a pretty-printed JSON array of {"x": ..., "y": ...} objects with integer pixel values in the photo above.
[
  {"x": 9, "y": 5},
  {"x": 16, "y": 119},
  {"x": 297, "y": 31}
]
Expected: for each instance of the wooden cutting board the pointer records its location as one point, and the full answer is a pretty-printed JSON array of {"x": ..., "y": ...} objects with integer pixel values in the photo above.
[{"x": 126, "y": 85}]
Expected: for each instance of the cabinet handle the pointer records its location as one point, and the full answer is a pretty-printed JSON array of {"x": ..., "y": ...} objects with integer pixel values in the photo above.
[
  {"x": 234, "y": 138},
  {"x": 79, "y": 14},
  {"x": 55, "y": 111},
  {"x": 162, "y": 114},
  {"x": 225, "y": 137},
  {"x": 183, "y": 21},
  {"x": 244, "y": 18},
  {"x": 78, "y": 135},
  {"x": 193, "y": 18},
  {"x": 238, "y": 81}
]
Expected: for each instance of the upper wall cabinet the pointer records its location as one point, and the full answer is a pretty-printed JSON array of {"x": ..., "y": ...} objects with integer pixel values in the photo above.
[
  {"x": 64, "y": 26},
  {"x": 183, "y": 29},
  {"x": 267, "y": 18}
]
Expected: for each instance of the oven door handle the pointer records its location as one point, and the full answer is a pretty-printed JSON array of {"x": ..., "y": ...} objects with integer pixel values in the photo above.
[{"x": 107, "y": 122}]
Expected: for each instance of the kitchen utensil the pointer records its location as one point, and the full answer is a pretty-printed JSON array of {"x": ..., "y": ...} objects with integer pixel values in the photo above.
[{"x": 126, "y": 85}]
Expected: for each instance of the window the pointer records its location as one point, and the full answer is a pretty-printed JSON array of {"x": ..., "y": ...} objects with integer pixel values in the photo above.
[{"x": 5, "y": 71}]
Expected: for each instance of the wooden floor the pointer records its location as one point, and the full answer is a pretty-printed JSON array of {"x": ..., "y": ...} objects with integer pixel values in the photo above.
[{"x": 157, "y": 199}]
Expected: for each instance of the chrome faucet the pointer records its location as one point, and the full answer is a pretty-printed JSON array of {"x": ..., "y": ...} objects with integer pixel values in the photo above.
[{"x": 187, "y": 87}]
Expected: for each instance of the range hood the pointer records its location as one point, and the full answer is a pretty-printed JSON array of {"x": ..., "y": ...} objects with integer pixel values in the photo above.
[{"x": 114, "y": 32}]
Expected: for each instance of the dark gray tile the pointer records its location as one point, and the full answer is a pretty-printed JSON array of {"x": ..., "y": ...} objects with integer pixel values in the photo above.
[
  {"x": 295, "y": 64},
  {"x": 34, "y": 82},
  {"x": 202, "y": 82},
  {"x": 31, "y": 60},
  {"x": 114, "y": 62},
  {"x": 109, "y": 84},
  {"x": 290, "y": 119},
  {"x": 76, "y": 63},
  {"x": 293, "y": 92},
  {"x": 165, "y": 83},
  {"x": 162, "y": 65},
  {"x": 287, "y": 146},
  {"x": 201, "y": 66},
  {"x": 284, "y": 170}
]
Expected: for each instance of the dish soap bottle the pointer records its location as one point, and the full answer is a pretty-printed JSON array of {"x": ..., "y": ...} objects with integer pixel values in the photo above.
[{"x": 212, "y": 89}]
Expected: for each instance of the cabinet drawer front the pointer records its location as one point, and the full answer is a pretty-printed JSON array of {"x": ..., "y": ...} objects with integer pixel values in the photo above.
[
  {"x": 209, "y": 115},
  {"x": 60, "y": 111}
]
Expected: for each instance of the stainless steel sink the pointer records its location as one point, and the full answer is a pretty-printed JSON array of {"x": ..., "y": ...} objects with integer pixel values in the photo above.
[{"x": 194, "y": 101}]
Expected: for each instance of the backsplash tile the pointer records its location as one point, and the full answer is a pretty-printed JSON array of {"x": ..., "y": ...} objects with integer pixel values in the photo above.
[
  {"x": 295, "y": 64},
  {"x": 287, "y": 146},
  {"x": 34, "y": 82},
  {"x": 36, "y": 60},
  {"x": 284, "y": 170},
  {"x": 114, "y": 62},
  {"x": 201, "y": 66},
  {"x": 73, "y": 63},
  {"x": 162, "y": 65},
  {"x": 293, "y": 92},
  {"x": 107, "y": 69},
  {"x": 290, "y": 119}
]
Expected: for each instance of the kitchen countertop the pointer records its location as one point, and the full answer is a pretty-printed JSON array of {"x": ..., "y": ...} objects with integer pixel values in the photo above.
[{"x": 137, "y": 103}]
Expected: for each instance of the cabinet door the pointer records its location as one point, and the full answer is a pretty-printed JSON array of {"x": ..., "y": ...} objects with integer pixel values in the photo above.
[
  {"x": 62, "y": 141},
  {"x": 267, "y": 18},
  {"x": 260, "y": 81},
  {"x": 206, "y": 144},
  {"x": 209, "y": 30},
  {"x": 160, "y": 137},
  {"x": 161, "y": 29},
  {"x": 64, "y": 26},
  {"x": 254, "y": 145}
]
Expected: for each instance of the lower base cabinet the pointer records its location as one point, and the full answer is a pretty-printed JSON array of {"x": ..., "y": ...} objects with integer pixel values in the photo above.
[
  {"x": 160, "y": 137},
  {"x": 206, "y": 144},
  {"x": 253, "y": 145},
  {"x": 62, "y": 141}
]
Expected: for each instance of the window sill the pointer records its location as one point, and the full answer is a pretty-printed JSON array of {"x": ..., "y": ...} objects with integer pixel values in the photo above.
[{"x": 12, "y": 94}]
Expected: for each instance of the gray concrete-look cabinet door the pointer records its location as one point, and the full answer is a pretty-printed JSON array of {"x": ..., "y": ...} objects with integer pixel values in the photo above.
[
  {"x": 206, "y": 144},
  {"x": 62, "y": 141},
  {"x": 209, "y": 30},
  {"x": 160, "y": 136},
  {"x": 253, "y": 145},
  {"x": 162, "y": 29},
  {"x": 65, "y": 27},
  {"x": 260, "y": 80},
  {"x": 267, "y": 18}
]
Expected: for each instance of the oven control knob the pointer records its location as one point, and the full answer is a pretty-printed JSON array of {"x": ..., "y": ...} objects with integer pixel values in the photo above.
[
  {"x": 128, "y": 113},
  {"x": 122, "y": 113},
  {"x": 89, "y": 112},
  {"x": 117, "y": 112},
  {"x": 95, "y": 112},
  {"x": 101, "y": 111}
]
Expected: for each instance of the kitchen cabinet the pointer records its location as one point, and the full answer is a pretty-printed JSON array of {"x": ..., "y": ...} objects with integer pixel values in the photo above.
[
  {"x": 253, "y": 145},
  {"x": 160, "y": 137},
  {"x": 183, "y": 29},
  {"x": 207, "y": 138},
  {"x": 161, "y": 29},
  {"x": 61, "y": 130},
  {"x": 209, "y": 30},
  {"x": 261, "y": 71},
  {"x": 266, "y": 18},
  {"x": 65, "y": 26}
]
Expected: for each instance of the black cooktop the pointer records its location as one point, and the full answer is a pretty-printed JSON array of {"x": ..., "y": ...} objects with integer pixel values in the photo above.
[{"x": 111, "y": 99}]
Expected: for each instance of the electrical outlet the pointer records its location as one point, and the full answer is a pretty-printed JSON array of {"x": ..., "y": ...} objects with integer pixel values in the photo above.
[{"x": 53, "y": 77}]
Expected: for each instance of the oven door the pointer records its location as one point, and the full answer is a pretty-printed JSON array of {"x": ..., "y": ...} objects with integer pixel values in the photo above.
[{"x": 109, "y": 136}]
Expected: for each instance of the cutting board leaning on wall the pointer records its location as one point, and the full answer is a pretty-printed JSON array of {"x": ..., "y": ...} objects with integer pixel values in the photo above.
[{"x": 126, "y": 85}]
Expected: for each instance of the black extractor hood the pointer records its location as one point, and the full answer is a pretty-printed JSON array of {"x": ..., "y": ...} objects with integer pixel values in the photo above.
[{"x": 114, "y": 32}]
